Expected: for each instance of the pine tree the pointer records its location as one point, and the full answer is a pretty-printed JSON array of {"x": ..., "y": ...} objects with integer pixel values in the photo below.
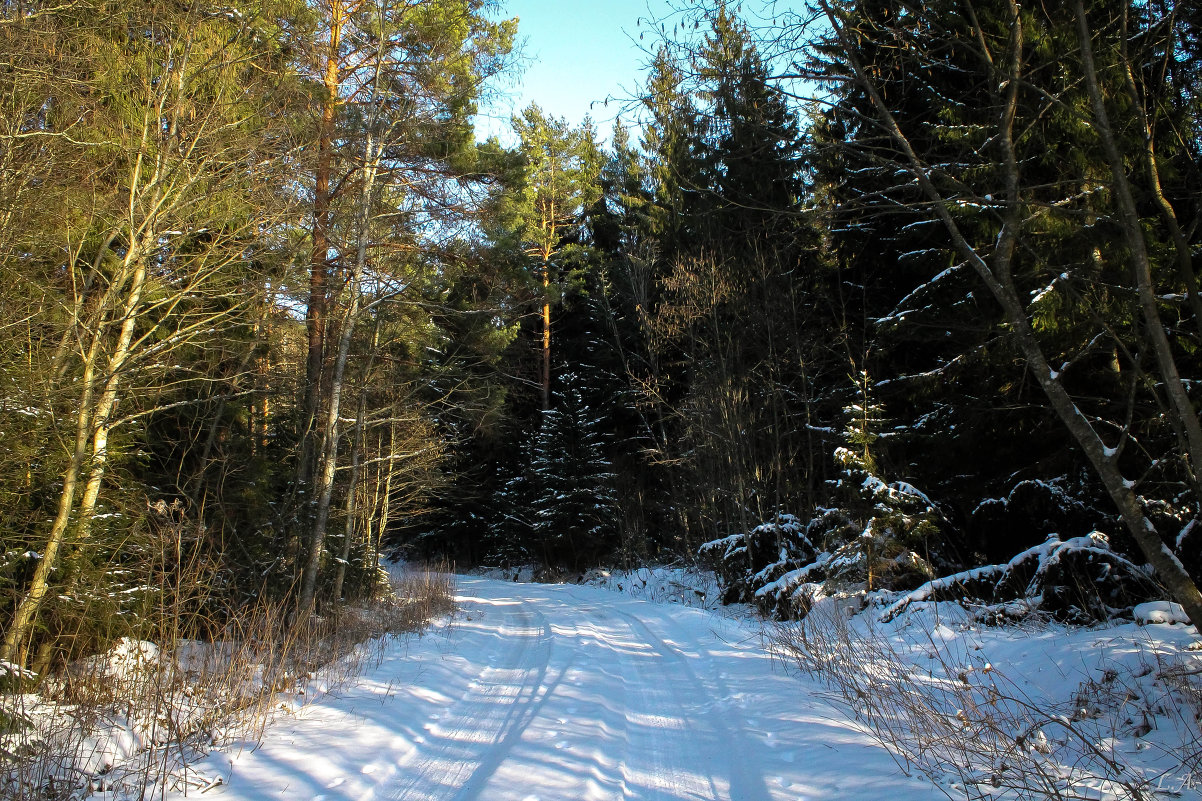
[{"x": 561, "y": 181}]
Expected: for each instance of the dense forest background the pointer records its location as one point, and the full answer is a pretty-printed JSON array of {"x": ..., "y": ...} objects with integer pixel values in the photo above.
[{"x": 897, "y": 289}]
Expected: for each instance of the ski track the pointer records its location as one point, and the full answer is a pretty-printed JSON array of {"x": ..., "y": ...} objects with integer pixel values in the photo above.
[{"x": 567, "y": 693}]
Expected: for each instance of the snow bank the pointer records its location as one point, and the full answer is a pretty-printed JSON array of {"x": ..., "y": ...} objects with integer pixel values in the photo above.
[
  {"x": 763, "y": 556},
  {"x": 521, "y": 573},
  {"x": 1032, "y": 709},
  {"x": 1160, "y": 612},
  {"x": 686, "y": 586}
]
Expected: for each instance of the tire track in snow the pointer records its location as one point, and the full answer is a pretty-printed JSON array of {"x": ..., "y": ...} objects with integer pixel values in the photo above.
[
  {"x": 715, "y": 711},
  {"x": 666, "y": 739},
  {"x": 563, "y": 693},
  {"x": 463, "y": 749},
  {"x": 588, "y": 714}
]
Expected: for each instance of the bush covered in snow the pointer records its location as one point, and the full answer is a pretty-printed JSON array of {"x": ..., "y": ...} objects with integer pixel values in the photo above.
[
  {"x": 885, "y": 537},
  {"x": 128, "y": 722},
  {"x": 746, "y": 562},
  {"x": 877, "y": 535},
  {"x": 665, "y": 584},
  {"x": 872, "y": 534},
  {"x": 1077, "y": 580},
  {"x": 1030, "y": 511}
]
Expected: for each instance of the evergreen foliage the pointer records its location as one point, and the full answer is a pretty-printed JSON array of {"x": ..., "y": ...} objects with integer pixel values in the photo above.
[
  {"x": 574, "y": 504},
  {"x": 272, "y": 313}
]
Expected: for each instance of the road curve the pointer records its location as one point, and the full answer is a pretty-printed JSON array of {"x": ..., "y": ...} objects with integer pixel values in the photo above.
[{"x": 538, "y": 692}]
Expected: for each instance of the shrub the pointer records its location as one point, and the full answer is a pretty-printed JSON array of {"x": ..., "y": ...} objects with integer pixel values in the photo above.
[
  {"x": 977, "y": 734},
  {"x": 1079, "y": 580}
]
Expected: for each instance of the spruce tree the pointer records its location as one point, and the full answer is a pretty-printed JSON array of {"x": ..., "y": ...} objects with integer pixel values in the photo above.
[
  {"x": 575, "y": 505},
  {"x": 1045, "y": 188}
]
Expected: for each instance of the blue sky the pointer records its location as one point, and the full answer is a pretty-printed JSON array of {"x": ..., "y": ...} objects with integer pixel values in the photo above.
[{"x": 577, "y": 52}]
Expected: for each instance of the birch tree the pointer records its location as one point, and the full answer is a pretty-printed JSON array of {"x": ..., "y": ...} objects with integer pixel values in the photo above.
[{"x": 176, "y": 181}]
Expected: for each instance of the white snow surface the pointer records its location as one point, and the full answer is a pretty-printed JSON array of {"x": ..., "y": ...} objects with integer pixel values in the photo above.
[
  {"x": 537, "y": 692},
  {"x": 688, "y": 586},
  {"x": 1160, "y": 612}
]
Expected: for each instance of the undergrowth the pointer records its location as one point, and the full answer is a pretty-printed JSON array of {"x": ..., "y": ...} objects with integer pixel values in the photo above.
[
  {"x": 945, "y": 712},
  {"x": 130, "y": 721}
]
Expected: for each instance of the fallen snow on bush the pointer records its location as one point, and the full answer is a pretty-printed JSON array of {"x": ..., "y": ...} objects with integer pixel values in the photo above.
[
  {"x": 1078, "y": 580},
  {"x": 1160, "y": 612},
  {"x": 111, "y": 721}
]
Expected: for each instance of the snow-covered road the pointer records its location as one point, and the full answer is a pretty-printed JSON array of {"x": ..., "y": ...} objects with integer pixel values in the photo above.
[{"x": 556, "y": 693}]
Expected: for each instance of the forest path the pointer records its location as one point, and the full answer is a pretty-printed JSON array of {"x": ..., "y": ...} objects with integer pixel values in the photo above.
[{"x": 541, "y": 692}]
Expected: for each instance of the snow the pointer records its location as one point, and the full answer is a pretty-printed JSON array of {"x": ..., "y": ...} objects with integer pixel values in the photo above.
[
  {"x": 900, "y": 310},
  {"x": 1160, "y": 612},
  {"x": 9, "y": 669},
  {"x": 564, "y": 692},
  {"x": 1184, "y": 533},
  {"x": 687, "y": 586},
  {"x": 1041, "y": 556},
  {"x": 1068, "y": 690},
  {"x": 552, "y": 692}
]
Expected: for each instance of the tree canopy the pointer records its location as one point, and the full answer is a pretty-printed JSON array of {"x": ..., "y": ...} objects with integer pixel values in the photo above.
[{"x": 910, "y": 287}]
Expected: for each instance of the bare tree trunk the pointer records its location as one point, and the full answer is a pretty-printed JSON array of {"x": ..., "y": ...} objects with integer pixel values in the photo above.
[
  {"x": 92, "y": 423},
  {"x": 1147, "y": 155},
  {"x": 329, "y": 438},
  {"x": 352, "y": 493},
  {"x": 16, "y": 638},
  {"x": 108, "y": 400},
  {"x": 328, "y": 454},
  {"x": 1141, "y": 263},
  {"x": 385, "y": 502}
]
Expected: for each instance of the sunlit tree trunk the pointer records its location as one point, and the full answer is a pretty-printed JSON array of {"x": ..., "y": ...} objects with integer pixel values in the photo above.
[
  {"x": 329, "y": 439},
  {"x": 316, "y": 312}
]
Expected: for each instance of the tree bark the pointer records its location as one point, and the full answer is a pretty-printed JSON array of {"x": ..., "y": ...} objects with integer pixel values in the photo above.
[
  {"x": 329, "y": 456},
  {"x": 317, "y": 311},
  {"x": 16, "y": 638},
  {"x": 330, "y": 434},
  {"x": 352, "y": 493}
]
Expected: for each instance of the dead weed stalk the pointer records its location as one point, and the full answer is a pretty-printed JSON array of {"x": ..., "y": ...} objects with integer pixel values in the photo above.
[
  {"x": 977, "y": 734},
  {"x": 131, "y": 720}
]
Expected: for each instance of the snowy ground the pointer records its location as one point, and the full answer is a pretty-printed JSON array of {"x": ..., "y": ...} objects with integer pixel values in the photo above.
[{"x": 556, "y": 693}]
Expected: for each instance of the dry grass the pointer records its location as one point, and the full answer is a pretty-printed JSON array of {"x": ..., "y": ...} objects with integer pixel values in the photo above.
[
  {"x": 131, "y": 720},
  {"x": 976, "y": 734}
]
